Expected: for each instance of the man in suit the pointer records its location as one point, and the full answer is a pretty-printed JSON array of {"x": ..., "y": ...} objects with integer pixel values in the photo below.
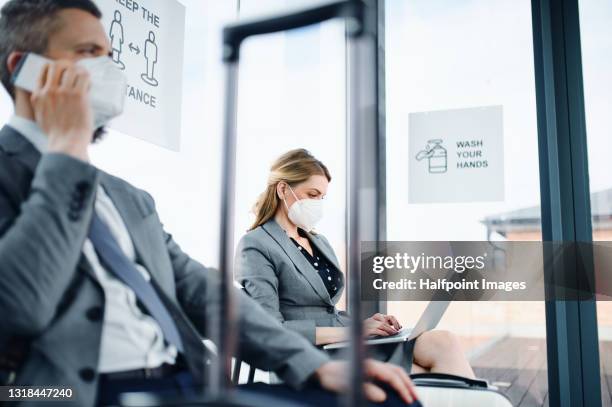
[{"x": 95, "y": 295}]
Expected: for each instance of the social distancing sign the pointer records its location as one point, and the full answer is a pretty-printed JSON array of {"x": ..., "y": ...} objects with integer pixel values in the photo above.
[
  {"x": 456, "y": 155},
  {"x": 147, "y": 43}
]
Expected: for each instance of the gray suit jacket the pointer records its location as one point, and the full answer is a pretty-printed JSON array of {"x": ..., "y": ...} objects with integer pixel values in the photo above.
[
  {"x": 51, "y": 303},
  {"x": 276, "y": 275}
]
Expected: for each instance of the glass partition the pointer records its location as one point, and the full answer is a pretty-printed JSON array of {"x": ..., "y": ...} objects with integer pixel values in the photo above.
[{"x": 292, "y": 95}]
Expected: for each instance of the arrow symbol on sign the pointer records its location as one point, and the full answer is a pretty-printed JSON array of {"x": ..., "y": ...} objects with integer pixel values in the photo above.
[{"x": 134, "y": 49}]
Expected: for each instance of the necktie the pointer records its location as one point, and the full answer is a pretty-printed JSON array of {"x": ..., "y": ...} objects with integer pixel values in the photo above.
[{"x": 116, "y": 262}]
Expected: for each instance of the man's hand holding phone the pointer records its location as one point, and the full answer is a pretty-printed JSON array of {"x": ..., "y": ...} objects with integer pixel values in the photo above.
[{"x": 62, "y": 109}]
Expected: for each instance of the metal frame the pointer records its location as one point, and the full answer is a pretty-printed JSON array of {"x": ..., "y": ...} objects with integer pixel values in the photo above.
[
  {"x": 381, "y": 146},
  {"x": 372, "y": 167},
  {"x": 362, "y": 169},
  {"x": 362, "y": 138},
  {"x": 225, "y": 330},
  {"x": 571, "y": 326},
  {"x": 381, "y": 130}
]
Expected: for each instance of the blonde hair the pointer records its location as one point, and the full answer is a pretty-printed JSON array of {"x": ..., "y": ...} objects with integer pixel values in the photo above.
[{"x": 293, "y": 167}]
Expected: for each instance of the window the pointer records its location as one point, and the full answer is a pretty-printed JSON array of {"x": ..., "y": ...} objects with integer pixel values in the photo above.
[
  {"x": 450, "y": 55},
  {"x": 596, "y": 36}
]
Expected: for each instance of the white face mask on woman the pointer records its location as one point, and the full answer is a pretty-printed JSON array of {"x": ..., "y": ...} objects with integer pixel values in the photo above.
[{"x": 305, "y": 213}]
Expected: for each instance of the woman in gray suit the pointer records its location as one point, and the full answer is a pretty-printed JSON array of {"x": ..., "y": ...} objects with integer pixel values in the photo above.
[{"x": 294, "y": 274}]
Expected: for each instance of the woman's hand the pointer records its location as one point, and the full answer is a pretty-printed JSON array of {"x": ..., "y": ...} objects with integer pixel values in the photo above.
[
  {"x": 390, "y": 319},
  {"x": 381, "y": 325}
]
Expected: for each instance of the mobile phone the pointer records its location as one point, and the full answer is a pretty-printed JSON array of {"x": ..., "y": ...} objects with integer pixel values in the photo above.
[{"x": 28, "y": 71}]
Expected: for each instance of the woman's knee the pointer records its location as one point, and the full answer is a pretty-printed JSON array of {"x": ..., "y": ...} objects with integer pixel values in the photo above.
[{"x": 442, "y": 339}]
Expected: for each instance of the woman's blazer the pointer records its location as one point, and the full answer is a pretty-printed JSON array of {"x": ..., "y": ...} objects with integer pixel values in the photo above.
[{"x": 276, "y": 274}]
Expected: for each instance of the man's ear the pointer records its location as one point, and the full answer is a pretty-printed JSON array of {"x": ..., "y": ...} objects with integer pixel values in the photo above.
[{"x": 13, "y": 60}]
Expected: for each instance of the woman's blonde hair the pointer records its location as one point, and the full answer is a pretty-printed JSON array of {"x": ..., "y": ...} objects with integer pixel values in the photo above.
[{"x": 293, "y": 167}]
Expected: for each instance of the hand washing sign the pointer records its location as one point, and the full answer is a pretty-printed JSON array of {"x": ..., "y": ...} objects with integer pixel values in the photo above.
[
  {"x": 146, "y": 38},
  {"x": 456, "y": 155}
]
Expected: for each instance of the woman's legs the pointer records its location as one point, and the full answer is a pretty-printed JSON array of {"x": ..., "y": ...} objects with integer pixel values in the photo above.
[{"x": 440, "y": 352}]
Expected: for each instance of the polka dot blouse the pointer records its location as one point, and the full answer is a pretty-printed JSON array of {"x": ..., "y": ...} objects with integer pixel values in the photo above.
[{"x": 325, "y": 268}]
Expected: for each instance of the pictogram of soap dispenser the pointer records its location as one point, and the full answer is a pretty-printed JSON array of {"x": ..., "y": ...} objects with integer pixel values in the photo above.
[{"x": 437, "y": 156}]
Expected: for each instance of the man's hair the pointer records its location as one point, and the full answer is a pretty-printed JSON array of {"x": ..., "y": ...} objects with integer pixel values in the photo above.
[{"x": 26, "y": 25}]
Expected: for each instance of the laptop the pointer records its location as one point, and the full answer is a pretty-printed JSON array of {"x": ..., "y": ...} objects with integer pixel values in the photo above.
[{"x": 429, "y": 320}]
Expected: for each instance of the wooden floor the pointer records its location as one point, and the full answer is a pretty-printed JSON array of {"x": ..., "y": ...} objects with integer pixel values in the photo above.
[{"x": 517, "y": 366}]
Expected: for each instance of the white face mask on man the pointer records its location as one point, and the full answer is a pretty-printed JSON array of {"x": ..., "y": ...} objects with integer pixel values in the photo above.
[
  {"x": 107, "y": 93},
  {"x": 108, "y": 84},
  {"x": 305, "y": 213}
]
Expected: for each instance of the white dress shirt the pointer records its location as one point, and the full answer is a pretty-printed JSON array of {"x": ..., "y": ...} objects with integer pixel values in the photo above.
[{"x": 131, "y": 339}]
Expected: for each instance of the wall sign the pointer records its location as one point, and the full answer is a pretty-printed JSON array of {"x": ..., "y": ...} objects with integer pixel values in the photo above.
[
  {"x": 456, "y": 155},
  {"x": 147, "y": 42}
]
